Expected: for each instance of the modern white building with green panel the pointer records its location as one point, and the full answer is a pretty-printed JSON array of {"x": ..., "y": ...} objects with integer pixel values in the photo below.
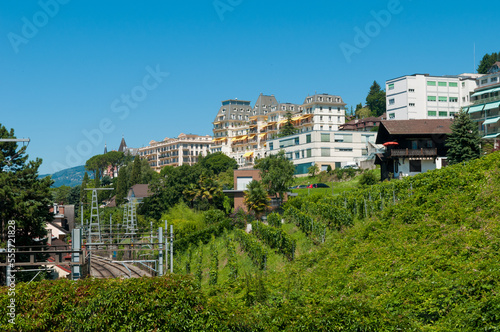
[
  {"x": 324, "y": 148},
  {"x": 485, "y": 108},
  {"x": 422, "y": 96}
]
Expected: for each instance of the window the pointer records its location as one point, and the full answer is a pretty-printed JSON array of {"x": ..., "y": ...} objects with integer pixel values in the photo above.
[
  {"x": 308, "y": 153},
  {"x": 321, "y": 118},
  {"x": 453, "y": 113},
  {"x": 296, "y": 141},
  {"x": 463, "y": 84},
  {"x": 308, "y": 138},
  {"x": 344, "y": 149},
  {"x": 494, "y": 79},
  {"x": 339, "y": 138},
  {"x": 431, "y": 98},
  {"x": 484, "y": 81},
  {"x": 453, "y": 99},
  {"x": 325, "y": 152},
  {"x": 325, "y": 137},
  {"x": 391, "y": 101},
  {"x": 441, "y": 83},
  {"x": 297, "y": 154},
  {"x": 321, "y": 108},
  {"x": 443, "y": 113},
  {"x": 431, "y": 113},
  {"x": 443, "y": 99},
  {"x": 412, "y": 104},
  {"x": 415, "y": 166},
  {"x": 392, "y": 115},
  {"x": 391, "y": 86},
  {"x": 431, "y": 83},
  {"x": 453, "y": 84},
  {"x": 364, "y": 152},
  {"x": 270, "y": 146}
]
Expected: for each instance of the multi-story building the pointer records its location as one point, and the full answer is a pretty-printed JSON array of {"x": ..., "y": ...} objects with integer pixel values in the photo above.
[
  {"x": 485, "y": 108},
  {"x": 323, "y": 148},
  {"x": 422, "y": 96},
  {"x": 242, "y": 132},
  {"x": 182, "y": 150}
]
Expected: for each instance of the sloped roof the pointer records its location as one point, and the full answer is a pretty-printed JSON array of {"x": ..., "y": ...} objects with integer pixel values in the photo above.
[
  {"x": 123, "y": 146},
  {"x": 419, "y": 127},
  {"x": 139, "y": 191}
]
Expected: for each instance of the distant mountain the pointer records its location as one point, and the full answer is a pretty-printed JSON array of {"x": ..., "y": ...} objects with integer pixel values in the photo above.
[{"x": 68, "y": 177}]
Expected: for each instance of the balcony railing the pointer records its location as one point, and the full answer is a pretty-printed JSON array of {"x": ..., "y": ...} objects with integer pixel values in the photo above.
[{"x": 413, "y": 153}]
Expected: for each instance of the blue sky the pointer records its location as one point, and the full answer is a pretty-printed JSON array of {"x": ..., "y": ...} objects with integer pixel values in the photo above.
[{"x": 67, "y": 66}]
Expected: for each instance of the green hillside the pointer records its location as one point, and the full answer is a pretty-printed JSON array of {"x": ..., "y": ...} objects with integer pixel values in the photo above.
[
  {"x": 68, "y": 177},
  {"x": 420, "y": 254}
]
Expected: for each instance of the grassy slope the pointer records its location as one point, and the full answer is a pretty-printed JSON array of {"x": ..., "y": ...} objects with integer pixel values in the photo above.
[{"x": 428, "y": 263}]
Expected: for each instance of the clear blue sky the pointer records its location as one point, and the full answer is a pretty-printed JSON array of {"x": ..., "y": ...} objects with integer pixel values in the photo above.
[{"x": 66, "y": 68}]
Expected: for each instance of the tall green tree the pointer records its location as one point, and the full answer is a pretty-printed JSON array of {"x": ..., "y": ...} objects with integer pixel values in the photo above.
[
  {"x": 464, "y": 142},
  {"x": 276, "y": 173},
  {"x": 487, "y": 61},
  {"x": 288, "y": 128},
  {"x": 135, "y": 176},
  {"x": 122, "y": 186},
  {"x": 256, "y": 199},
  {"x": 24, "y": 198},
  {"x": 376, "y": 100}
]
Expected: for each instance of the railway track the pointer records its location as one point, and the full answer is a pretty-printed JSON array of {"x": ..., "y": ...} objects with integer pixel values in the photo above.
[{"x": 101, "y": 267}]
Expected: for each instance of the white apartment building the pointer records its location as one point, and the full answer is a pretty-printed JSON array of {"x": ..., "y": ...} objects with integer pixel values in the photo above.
[
  {"x": 485, "y": 108},
  {"x": 422, "y": 96},
  {"x": 182, "y": 150},
  {"x": 242, "y": 132},
  {"x": 323, "y": 148}
]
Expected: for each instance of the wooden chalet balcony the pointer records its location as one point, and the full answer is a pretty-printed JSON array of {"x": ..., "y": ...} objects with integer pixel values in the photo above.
[{"x": 413, "y": 153}]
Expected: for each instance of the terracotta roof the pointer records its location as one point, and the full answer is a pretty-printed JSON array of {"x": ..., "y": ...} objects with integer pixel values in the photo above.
[{"x": 426, "y": 126}]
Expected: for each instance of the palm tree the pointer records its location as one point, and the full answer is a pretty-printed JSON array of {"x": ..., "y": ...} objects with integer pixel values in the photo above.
[{"x": 256, "y": 198}]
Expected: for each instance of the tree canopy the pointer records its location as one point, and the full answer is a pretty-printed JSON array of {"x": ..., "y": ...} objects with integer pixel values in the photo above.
[
  {"x": 487, "y": 61},
  {"x": 217, "y": 163},
  {"x": 376, "y": 100},
  {"x": 464, "y": 143},
  {"x": 276, "y": 173},
  {"x": 24, "y": 197},
  {"x": 288, "y": 128}
]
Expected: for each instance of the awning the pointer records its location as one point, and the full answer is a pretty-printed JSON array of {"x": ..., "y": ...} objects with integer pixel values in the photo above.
[
  {"x": 220, "y": 139},
  {"x": 490, "y": 121},
  {"x": 295, "y": 118},
  {"x": 490, "y": 106},
  {"x": 216, "y": 123},
  {"x": 252, "y": 125},
  {"x": 262, "y": 135},
  {"x": 252, "y": 136},
  {"x": 307, "y": 116},
  {"x": 491, "y": 136},
  {"x": 485, "y": 91},
  {"x": 248, "y": 154},
  {"x": 271, "y": 123},
  {"x": 477, "y": 108},
  {"x": 282, "y": 121}
]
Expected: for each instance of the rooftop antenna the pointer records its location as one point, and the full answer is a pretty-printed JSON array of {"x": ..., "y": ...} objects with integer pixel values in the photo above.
[{"x": 474, "y": 68}]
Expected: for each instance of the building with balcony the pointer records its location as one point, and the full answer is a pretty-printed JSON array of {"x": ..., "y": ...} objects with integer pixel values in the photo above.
[
  {"x": 323, "y": 148},
  {"x": 412, "y": 146},
  {"x": 242, "y": 132},
  {"x": 422, "y": 96},
  {"x": 182, "y": 150},
  {"x": 485, "y": 108}
]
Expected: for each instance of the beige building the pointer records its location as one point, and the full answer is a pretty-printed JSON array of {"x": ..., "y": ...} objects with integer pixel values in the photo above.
[
  {"x": 182, "y": 150},
  {"x": 242, "y": 131}
]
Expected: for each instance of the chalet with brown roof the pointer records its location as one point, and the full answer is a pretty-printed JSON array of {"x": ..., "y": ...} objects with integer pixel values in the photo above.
[
  {"x": 365, "y": 124},
  {"x": 138, "y": 192},
  {"x": 412, "y": 146}
]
